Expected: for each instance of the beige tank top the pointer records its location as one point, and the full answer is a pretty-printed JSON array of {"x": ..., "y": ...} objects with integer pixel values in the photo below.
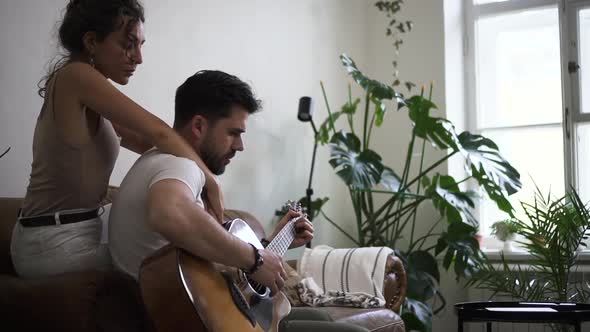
[{"x": 66, "y": 177}]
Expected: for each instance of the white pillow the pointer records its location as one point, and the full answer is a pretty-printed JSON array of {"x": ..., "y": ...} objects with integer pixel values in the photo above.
[{"x": 348, "y": 270}]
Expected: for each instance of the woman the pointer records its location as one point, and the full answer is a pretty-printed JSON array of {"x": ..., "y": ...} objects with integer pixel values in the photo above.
[{"x": 83, "y": 121}]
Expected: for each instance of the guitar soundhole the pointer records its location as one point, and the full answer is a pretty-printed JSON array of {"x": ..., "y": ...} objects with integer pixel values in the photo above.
[{"x": 258, "y": 288}]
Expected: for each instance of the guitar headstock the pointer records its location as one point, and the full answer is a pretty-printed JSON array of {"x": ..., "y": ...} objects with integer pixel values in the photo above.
[{"x": 292, "y": 205}]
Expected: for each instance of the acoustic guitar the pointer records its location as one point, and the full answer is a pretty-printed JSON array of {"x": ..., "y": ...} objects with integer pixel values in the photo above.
[{"x": 183, "y": 292}]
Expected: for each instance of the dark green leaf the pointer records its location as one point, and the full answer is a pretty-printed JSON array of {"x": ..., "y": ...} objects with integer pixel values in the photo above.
[
  {"x": 484, "y": 157},
  {"x": 490, "y": 169},
  {"x": 326, "y": 127},
  {"x": 375, "y": 88},
  {"x": 462, "y": 249},
  {"x": 358, "y": 169},
  {"x": 380, "y": 110},
  {"x": 450, "y": 201},
  {"x": 409, "y": 85},
  {"x": 316, "y": 206},
  {"x": 440, "y": 132},
  {"x": 421, "y": 311},
  {"x": 421, "y": 284},
  {"x": 425, "y": 262},
  {"x": 349, "y": 108},
  {"x": 412, "y": 322}
]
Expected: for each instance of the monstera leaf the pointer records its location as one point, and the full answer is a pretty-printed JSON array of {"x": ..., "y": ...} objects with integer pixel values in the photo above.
[
  {"x": 462, "y": 249},
  {"x": 417, "y": 316},
  {"x": 359, "y": 169},
  {"x": 438, "y": 131},
  {"x": 390, "y": 180},
  {"x": 490, "y": 169},
  {"x": 380, "y": 110},
  {"x": 323, "y": 136},
  {"x": 449, "y": 200},
  {"x": 422, "y": 274},
  {"x": 377, "y": 89},
  {"x": 316, "y": 206}
]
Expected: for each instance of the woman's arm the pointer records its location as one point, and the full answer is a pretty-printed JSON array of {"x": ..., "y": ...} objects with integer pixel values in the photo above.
[
  {"x": 131, "y": 140},
  {"x": 94, "y": 91}
]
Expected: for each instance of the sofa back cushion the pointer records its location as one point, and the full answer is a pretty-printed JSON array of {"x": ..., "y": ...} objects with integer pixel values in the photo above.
[{"x": 8, "y": 214}]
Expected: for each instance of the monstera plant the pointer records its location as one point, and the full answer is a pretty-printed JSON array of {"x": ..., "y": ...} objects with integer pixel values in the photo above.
[{"x": 384, "y": 220}]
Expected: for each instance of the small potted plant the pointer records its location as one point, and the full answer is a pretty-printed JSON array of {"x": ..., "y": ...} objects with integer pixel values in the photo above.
[{"x": 505, "y": 230}]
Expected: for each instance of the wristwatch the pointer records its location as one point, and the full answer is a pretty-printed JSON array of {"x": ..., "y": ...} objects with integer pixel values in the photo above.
[{"x": 258, "y": 260}]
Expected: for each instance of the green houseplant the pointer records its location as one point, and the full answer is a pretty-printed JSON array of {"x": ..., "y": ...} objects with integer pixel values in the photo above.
[
  {"x": 552, "y": 232},
  {"x": 505, "y": 230},
  {"x": 383, "y": 221}
]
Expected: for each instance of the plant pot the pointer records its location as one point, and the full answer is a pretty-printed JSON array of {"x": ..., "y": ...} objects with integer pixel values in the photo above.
[{"x": 508, "y": 246}]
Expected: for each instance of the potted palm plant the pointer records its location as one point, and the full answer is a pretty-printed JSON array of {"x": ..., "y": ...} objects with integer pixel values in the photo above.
[{"x": 552, "y": 232}]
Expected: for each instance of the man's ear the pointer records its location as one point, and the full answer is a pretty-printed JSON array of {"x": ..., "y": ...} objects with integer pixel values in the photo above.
[
  {"x": 199, "y": 126},
  {"x": 89, "y": 39}
]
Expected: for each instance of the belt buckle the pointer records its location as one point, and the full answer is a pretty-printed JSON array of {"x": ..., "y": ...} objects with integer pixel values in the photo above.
[{"x": 57, "y": 220}]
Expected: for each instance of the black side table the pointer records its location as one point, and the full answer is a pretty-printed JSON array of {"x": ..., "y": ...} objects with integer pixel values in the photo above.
[{"x": 522, "y": 312}]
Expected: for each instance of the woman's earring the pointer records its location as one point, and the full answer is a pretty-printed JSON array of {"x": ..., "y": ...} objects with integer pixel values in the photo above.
[{"x": 92, "y": 61}]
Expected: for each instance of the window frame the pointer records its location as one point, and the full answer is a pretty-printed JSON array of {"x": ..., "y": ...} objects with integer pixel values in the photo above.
[{"x": 571, "y": 113}]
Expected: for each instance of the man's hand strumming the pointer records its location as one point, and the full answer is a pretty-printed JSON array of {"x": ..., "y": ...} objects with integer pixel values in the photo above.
[{"x": 271, "y": 273}]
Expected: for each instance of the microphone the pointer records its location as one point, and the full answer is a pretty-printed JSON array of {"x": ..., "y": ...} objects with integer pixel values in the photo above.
[{"x": 305, "y": 110}]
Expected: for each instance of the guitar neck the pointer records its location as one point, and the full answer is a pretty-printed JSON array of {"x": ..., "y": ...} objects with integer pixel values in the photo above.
[{"x": 282, "y": 241}]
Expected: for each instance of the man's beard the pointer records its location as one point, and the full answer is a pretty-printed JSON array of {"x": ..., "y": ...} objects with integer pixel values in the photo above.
[{"x": 214, "y": 161}]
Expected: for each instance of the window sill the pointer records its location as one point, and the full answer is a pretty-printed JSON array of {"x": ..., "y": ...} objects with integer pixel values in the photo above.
[{"x": 522, "y": 256}]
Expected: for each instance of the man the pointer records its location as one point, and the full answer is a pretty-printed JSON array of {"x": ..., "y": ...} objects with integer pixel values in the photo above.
[{"x": 159, "y": 201}]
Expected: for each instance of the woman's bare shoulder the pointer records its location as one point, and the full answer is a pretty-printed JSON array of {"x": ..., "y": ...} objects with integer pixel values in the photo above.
[{"x": 77, "y": 72}]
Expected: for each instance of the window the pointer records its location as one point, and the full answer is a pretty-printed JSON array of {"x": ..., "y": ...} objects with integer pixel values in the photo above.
[{"x": 524, "y": 97}]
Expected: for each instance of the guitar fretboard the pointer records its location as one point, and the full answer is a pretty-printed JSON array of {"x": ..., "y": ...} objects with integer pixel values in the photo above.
[{"x": 283, "y": 239}]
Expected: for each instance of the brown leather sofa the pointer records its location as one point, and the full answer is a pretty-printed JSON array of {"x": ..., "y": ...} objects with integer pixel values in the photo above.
[{"x": 111, "y": 301}]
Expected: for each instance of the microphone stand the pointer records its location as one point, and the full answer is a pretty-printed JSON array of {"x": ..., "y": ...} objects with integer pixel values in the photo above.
[{"x": 309, "y": 191}]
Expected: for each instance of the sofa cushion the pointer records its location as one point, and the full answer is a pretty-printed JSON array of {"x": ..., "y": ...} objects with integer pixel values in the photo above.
[{"x": 377, "y": 320}]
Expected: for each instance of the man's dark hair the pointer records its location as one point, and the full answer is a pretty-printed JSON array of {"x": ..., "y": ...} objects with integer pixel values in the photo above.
[{"x": 211, "y": 94}]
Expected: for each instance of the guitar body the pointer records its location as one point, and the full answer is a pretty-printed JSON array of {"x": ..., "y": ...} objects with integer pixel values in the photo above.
[{"x": 183, "y": 292}]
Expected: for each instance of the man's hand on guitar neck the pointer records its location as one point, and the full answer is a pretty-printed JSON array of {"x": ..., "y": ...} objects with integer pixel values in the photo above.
[
  {"x": 271, "y": 273},
  {"x": 303, "y": 227}
]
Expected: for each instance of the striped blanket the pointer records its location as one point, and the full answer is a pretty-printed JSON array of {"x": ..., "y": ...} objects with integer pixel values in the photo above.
[{"x": 344, "y": 277}]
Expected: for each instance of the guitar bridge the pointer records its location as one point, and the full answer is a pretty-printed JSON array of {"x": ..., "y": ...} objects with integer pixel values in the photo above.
[{"x": 239, "y": 300}]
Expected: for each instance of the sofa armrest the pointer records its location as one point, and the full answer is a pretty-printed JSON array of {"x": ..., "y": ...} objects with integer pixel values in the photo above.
[{"x": 395, "y": 283}]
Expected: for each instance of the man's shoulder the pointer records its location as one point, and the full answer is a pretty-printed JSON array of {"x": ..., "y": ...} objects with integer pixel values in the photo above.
[
  {"x": 161, "y": 160},
  {"x": 155, "y": 165}
]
